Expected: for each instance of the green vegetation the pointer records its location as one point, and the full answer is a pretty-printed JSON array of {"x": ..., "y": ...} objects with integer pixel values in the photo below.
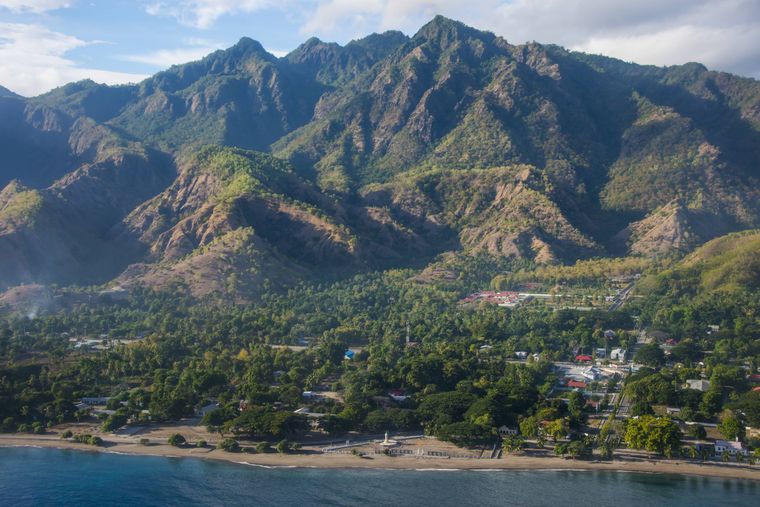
[{"x": 176, "y": 440}]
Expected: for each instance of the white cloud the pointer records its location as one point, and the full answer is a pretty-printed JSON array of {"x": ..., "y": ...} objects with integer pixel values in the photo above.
[
  {"x": 203, "y": 13},
  {"x": 36, "y": 6},
  {"x": 723, "y": 35},
  {"x": 32, "y": 60},
  {"x": 277, "y": 52},
  {"x": 167, "y": 57}
]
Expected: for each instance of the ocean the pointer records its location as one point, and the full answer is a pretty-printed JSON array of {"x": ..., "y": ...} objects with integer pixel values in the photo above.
[{"x": 49, "y": 477}]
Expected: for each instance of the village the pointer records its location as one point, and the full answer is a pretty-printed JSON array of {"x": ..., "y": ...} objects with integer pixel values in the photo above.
[{"x": 599, "y": 376}]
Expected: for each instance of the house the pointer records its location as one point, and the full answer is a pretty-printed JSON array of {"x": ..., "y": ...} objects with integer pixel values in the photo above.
[
  {"x": 521, "y": 355},
  {"x": 698, "y": 384},
  {"x": 398, "y": 395},
  {"x": 672, "y": 410},
  {"x": 505, "y": 431},
  {"x": 617, "y": 354},
  {"x": 96, "y": 400},
  {"x": 756, "y": 389},
  {"x": 600, "y": 353},
  {"x": 733, "y": 448},
  {"x": 754, "y": 378},
  {"x": 609, "y": 334},
  {"x": 584, "y": 359},
  {"x": 201, "y": 412},
  {"x": 349, "y": 355},
  {"x": 592, "y": 373},
  {"x": 576, "y": 384}
]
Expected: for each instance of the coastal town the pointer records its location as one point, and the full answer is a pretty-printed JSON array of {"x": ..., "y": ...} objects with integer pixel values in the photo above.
[{"x": 595, "y": 378}]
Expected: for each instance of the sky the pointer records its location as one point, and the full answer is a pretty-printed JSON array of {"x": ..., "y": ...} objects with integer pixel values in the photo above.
[{"x": 47, "y": 43}]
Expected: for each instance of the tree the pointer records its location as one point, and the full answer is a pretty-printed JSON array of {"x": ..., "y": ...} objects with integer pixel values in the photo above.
[
  {"x": 576, "y": 448},
  {"x": 697, "y": 431},
  {"x": 263, "y": 447},
  {"x": 282, "y": 446},
  {"x": 557, "y": 429},
  {"x": 655, "y": 434},
  {"x": 731, "y": 426},
  {"x": 529, "y": 427},
  {"x": 466, "y": 434},
  {"x": 176, "y": 440},
  {"x": 229, "y": 445},
  {"x": 651, "y": 355},
  {"x": 641, "y": 408},
  {"x": 215, "y": 419},
  {"x": 513, "y": 443},
  {"x": 115, "y": 421}
]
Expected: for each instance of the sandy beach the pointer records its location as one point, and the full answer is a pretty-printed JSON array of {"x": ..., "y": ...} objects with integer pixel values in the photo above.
[{"x": 314, "y": 460}]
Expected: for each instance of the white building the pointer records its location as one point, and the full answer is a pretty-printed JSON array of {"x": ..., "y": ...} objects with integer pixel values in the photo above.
[
  {"x": 698, "y": 384},
  {"x": 507, "y": 431},
  {"x": 617, "y": 354},
  {"x": 733, "y": 448},
  {"x": 521, "y": 355}
]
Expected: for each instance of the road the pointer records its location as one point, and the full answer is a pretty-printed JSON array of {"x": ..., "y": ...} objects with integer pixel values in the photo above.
[{"x": 621, "y": 298}]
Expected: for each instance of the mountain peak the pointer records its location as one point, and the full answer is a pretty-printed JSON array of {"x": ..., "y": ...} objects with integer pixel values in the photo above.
[
  {"x": 443, "y": 31},
  {"x": 246, "y": 46},
  {"x": 5, "y": 92}
]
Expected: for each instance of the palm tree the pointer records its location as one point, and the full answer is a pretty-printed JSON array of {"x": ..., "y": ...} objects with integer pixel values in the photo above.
[
  {"x": 725, "y": 456},
  {"x": 693, "y": 452}
]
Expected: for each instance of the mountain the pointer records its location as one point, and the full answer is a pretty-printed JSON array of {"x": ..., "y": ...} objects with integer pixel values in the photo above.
[
  {"x": 6, "y": 93},
  {"x": 243, "y": 172},
  {"x": 728, "y": 264}
]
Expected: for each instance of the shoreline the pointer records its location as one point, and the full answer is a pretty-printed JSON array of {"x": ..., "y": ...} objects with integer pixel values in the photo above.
[{"x": 337, "y": 461}]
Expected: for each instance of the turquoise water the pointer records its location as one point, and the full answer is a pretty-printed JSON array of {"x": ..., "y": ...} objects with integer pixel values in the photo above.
[{"x": 42, "y": 477}]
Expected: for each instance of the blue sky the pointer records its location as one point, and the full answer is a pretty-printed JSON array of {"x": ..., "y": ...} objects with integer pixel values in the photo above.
[{"x": 46, "y": 43}]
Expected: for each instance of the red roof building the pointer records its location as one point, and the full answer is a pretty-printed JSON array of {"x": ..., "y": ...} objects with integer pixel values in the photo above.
[
  {"x": 584, "y": 358},
  {"x": 576, "y": 384}
]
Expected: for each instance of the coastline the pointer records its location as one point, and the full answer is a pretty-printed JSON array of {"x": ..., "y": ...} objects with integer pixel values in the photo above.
[{"x": 347, "y": 461}]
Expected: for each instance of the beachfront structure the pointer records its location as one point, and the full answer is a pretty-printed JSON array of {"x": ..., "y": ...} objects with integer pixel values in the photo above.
[
  {"x": 733, "y": 448},
  {"x": 698, "y": 384},
  {"x": 506, "y": 431}
]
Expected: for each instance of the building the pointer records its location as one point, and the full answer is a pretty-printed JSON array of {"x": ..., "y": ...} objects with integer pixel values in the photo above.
[
  {"x": 600, "y": 353},
  {"x": 521, "y": 355},
  {"x": 617, "y": 354},
  {"x": 505, "y": 431},
  {"x": 96, "y": 400},
  {"x": 576, "y": 384},
  {"x": 207, "y": 408},
  {"x": 592, "y": 373},
  {"x": 698, "y": 384},
  {"x": 584, "y": 358},
  {"x": 609, "y": 334},
  {"x": 398, "y": 395},
  {"x": 733, "y": 448}
]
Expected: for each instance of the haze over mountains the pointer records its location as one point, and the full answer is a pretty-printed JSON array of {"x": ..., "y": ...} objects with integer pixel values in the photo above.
[{"x": 243, "y": 171}]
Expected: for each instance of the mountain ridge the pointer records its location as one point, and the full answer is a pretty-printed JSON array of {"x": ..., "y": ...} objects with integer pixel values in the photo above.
[{"x": 383, "y": 152}]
